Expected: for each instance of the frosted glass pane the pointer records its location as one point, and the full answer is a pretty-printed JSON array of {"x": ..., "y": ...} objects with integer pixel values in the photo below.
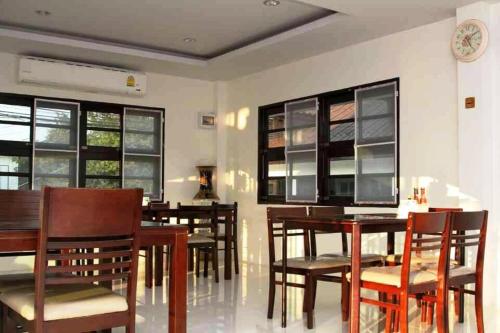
[
  {"x": 376, "y": 174},
  {"x": 301, "y": 176},
  {"x": 342, "y": 166},
  {"x": 376, "y": 114},
  {"x": 143, "y": 172},
  {"x": 142, "y": 131},
  {"x": 301, "y": 118},
  {"x": 54, "y": 169}
]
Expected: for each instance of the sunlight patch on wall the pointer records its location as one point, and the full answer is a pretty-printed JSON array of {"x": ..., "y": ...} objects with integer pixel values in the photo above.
[
  {"x": 242, "y": 118},
  {"x": 248, "y": 182},
  {"x": 176, "y": 180},
  {"x": 467, "y": 202},
  {"x": 229, "y": 119},
  {"x": 193, "y": 178},
  {"x": 229, "y": 179}
]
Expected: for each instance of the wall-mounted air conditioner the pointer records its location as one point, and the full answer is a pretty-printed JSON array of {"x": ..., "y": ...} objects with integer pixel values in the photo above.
[{"x": 80, "y": 76}]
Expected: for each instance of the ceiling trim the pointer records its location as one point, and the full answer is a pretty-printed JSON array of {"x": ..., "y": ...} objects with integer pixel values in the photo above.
[
  {"x": 319, "y": 23},
  {"x": 123, "y": 49}
]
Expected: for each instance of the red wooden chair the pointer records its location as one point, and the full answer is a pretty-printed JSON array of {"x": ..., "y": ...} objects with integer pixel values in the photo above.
[
  {"x": 399, "y": 282},
  {"x": 469, "y": 230}
]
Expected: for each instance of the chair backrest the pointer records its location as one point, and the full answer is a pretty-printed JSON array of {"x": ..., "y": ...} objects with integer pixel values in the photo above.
[
  {"x": 435, "y": 227},
  {"x": 469, "y": 230},
  {"x": 197, "y": 215},
  {"x": 327, "y": 211},
  {"x": 231, "y": 207},
  {"x": 19, "y": 205},
  {"x": 79, "y": 226},
  {"x": 275, "y": 227}
]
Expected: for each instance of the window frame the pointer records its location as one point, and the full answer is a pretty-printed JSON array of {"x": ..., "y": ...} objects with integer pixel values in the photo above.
[
  {"x": 18, "y": 148},
  {"x": 325, "y": 148}
]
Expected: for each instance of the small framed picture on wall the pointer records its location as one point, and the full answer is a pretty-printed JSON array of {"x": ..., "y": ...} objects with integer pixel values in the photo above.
[{"x": 206, "y": 120}]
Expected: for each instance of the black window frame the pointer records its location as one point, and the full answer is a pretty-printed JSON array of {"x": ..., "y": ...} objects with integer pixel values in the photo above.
[
  {"x": 18, "y": 148},
  {"x": 326, "y": 149}
]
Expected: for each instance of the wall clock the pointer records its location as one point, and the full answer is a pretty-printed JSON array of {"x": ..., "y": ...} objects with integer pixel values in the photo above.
[{"x": 469, "y": 40}]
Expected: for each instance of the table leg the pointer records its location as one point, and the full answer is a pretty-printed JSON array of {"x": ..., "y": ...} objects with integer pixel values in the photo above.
[
  {"x": 355, "y": 278},
  {"x": 158, "y": 265},
  {"x": 177, "y": 288},
  {"x": 228, "y": 229},
  {"x": 391, "y": 240},
  {"x": 283, "y": 277}
]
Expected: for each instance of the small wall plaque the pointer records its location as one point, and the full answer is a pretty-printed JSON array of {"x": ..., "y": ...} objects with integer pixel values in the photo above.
[
  {"x": 470, "y": 102},
  {"x": 206, "y": 120}
]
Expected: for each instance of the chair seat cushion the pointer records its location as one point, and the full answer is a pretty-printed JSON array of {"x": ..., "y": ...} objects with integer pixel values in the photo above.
[
  {"x": 199, "y": 239},
  {"x": 65, "y": 301},
  {"x": 391, "y": 275},
  {"x": 369, "y": 257},
  {"x": 314, "y": 262},
  {"x": 397, "y": 259}
]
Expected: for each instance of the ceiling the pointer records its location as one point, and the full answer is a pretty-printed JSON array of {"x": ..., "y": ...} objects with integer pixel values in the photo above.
[{"x": 233, "y": 37}]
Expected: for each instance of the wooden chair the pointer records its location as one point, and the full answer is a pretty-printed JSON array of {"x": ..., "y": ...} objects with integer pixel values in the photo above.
[
  {"x": 469, "y": 230},
  {"x": 149, "y": 213},
  {"x": 65, "y": 298},
  {"x": 399, "y": 282},
  {"x": 312, "y": 268},
  {"x": 198, "y": 242},
  {"x": 233, "y": 216}
]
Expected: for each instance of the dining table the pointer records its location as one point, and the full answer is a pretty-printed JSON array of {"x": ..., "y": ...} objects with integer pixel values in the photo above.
[
  {"x": 356, "y": 225},
  {"x": 22, "y": 236},
  {"x": 163, "y": 215}
]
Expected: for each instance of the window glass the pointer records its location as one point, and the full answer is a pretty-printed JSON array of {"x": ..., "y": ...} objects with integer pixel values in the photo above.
[
  {"x": 342, "y": 111},
  {"x": 14, "y": 164},
  {"x": 103, "y": 120},
  {"x": 102, "y": 183},
  {"x": 276, "y": 187},
  {"x": 142, "y": 131},
  {"x": 103, "y": 138},
  {"x": 341, "y": 132},
  {"x": 18, "y": 113},
  {"x": 56, "y": 125},
  {"x": 276, "y": 121},
  {"x": 9, "y": 132},
  {"x": 102, "y": 168},
  {"x": 277, "y": 169},
  {"x": 276, "y": 140},
  {"x": 14, "y": 183},
  {"x": 143, "y": 172}
]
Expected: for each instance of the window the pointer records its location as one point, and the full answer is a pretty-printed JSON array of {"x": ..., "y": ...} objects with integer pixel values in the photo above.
[
  {"x": 15, "y": 143},
  {"x": 79, "y": 144},
  {"x": 336, "y": 148},
  {"x": 143, "y": 154}
]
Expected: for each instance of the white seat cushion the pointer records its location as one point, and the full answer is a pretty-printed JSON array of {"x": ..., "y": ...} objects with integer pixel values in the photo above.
[
  {"x": 415, "y": 260},
  {"x": 391, "y": 275},
  {"x": 65, "y": 301},
  {"x": 314, "y": 262},
  {"x": 17, "y": 265}
]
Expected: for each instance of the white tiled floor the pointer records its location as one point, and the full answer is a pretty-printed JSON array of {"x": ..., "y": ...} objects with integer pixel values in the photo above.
[{"x": 240, "y": 306}]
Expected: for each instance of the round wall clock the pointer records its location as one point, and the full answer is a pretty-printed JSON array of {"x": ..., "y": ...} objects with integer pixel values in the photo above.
[{"x": 469, "y": 40}]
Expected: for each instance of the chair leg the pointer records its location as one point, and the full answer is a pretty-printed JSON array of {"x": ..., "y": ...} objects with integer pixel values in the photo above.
[
  {"x": 235, "y": 247},
  {"x": 309, "y": 291},
  {"x": 149, "y": 267},
  {"x": 442, "y": 312},
  {"x": 403, "y": 314},
  {"x": 130, "y": 329},
  {"x": 461, "y": 305},
  {"x": 397, "y": 313},
  {"x": 215, "y": 263},
  {"x": 205, "y": 263},
  {"x": 197, "y": 266},
  {"x": 315, "y": 288},
  {"x": 345, "y": 299},
  {"x": 389, "y": 318},
  {"x": 478, "y": 300},
  {"x": 272, "y": 295}
]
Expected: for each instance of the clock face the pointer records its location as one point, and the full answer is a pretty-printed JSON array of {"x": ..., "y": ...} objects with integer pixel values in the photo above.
[{"x": 469, "y": 40}]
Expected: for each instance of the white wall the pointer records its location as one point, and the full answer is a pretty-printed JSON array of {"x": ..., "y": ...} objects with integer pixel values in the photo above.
[
  {"x": 421, "y": 58},
  {"x": 185, "y": 145}
]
